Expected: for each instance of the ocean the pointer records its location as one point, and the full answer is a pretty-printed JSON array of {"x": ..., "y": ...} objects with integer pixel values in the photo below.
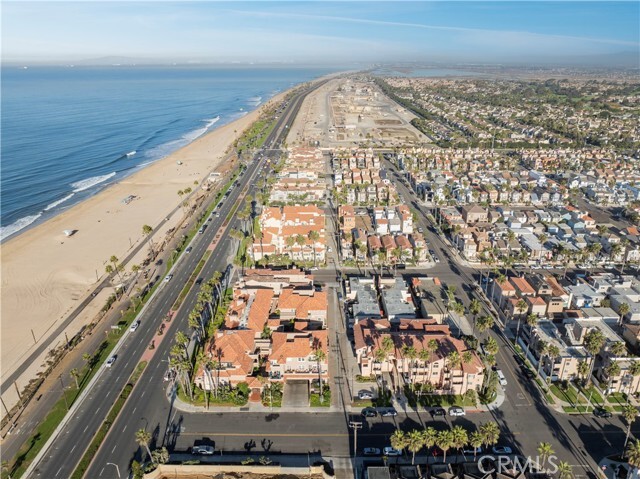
[{"x": 68, "y": 132}]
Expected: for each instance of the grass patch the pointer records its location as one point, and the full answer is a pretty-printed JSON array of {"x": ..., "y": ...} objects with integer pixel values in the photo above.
[
  {"x": 314, "y": 398},
  {"x": 592, "y": 392},
  {"x": 570, "y": 394},
  {"x": 577, "y": 409},
  {"x": 549, "y": 398},
  {"x": 95, "y": 444}
]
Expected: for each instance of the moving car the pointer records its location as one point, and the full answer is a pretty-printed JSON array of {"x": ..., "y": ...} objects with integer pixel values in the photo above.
[
  {"x": 389, "y": 412},
  {"x": 188, "y": 250},
  {"x": 438, "y": 411},
  {"x": 203, "y": 450},
  {"x": 456, "y": 411},
  {"x": 602, "y": 412},
  {"x": 371, "y": 451},
  {"x": 369, "y": 412},
  {"x": 501, "y": 450},
  {"x": 389, "y": 451},
  {"x": 134, "y": 325},
  {"x": 110, "y": 361},
  {"x": 501, "y": 378},
  {"x": 365, "y": 395},
  {"x": 168, "y": 278}
]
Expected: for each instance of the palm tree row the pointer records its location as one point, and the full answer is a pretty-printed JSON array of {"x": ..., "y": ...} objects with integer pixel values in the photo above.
[{"x": 455, "y": 438}]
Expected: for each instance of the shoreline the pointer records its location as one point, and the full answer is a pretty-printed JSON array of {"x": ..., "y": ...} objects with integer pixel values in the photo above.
[
  {"x": 45, "y": 274},
  {"x": 51, "y": 210}
]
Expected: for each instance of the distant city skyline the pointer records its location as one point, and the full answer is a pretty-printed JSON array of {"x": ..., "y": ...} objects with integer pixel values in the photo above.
[{"x": 309, "y": 32}]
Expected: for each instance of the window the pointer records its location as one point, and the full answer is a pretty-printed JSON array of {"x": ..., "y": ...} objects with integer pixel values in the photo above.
[{"x": 301, "y": 359}]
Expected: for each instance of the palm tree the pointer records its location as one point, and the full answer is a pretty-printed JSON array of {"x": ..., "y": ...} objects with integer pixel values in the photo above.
[
  {"x": 623, "y": 310},
  {"x": 491, "y": 346},
  {"x": 593, "y": 342},
  {"x": 618, "y": 349},
  {"x": 532, "y": 321},
  {"x": 583, "y": 370},
  {"x": 543, "y": 350},
  {"x": 398, "y": 440},
  {"x": 160, "y": 456},
  {"x": 143, "y": 438},
  {"x": 612, "y": 370},
  {"x": 521, "y": 307},
  {"x": 414, "y": 442},
  {"x": 460, "y": 437},
  {"x": 629, "y": 413},
  {"x": 564, "y": 470},
  {"x": 475, "y": 441},
  {"x": 320, "y": 357},
  {"x": 445, "y": 442},
  {"x": 544, "y": 451},
  {"x": 116, "y": 267},
  {"x": 429, "y": 437},
  {"x": 633, "y": 454},
  {"x": 410, "y": 353},
  {"x": 146, "y": 231},
  {"x": 474, "y": 309},
  {"x": 490, "y": 433},
  {"x": 484, "y": 323},
  {"x": 314, "y": 236}
]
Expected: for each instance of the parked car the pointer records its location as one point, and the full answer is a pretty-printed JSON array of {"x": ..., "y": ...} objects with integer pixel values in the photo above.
[
  {"x": 456, "y": 411},
  {"x": 203, "y": 450},
  {"x": 438, "y": 411},
  {"x": 365, "y": 395},
  {"x": 602, "y": 412},
  {"x": 369, "y": 412},
  {"x": 134, "y": 325},
  {"x": 110, "y": 361},
  {"x": 501, "y": 378},
  {"x": 371, "y": 451},
  {"x": 188, "y": 250},
  {"x": 389, "y": 412},
  {"x": 168, "y": 278},
  {"x": 389, "y": 451},
  {"x": 501, "y": 450},
  {"x": 476, "y": 451}
]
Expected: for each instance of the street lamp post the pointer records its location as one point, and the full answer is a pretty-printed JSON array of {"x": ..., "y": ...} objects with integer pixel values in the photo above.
[
  {"x": 116, "y": 466},
  {"x": 64, "y": 394},
  {"x": 355, "y": 426}
]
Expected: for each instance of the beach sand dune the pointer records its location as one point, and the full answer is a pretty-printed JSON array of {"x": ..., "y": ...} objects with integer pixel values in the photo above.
[{"x": 45, "y": 274}]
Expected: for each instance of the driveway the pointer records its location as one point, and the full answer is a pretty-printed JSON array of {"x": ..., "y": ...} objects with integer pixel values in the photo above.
[{"x": 296, "y": 394}]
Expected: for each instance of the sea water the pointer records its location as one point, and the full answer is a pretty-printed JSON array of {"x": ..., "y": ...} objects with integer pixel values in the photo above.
[{"x": 67, "y": 132}]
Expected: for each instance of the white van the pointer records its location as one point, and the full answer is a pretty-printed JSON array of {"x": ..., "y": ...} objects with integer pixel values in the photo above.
[{"x": 501, "y": 378}]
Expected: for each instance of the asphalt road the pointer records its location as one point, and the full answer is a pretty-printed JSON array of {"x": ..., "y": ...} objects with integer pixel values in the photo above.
[{"x": 148, "y": 398}]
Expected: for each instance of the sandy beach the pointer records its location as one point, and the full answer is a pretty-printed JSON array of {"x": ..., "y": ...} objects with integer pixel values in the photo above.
[{"x": 46, "y": 274}]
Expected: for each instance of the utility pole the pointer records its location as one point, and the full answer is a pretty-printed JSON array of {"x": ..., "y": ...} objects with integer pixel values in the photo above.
[
  {"x": 64, "y": 394},
  {"x": 355, "y": 426}
]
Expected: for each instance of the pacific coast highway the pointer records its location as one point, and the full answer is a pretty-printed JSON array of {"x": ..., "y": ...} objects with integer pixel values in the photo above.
[{"x": 65, "y": 451}]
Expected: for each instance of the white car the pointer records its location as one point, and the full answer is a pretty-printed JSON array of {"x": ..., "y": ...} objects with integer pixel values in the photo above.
[
  {"x": 389, "y": 451},
  {"x": 134, "y": 325},
  {"x": 365, "y": 395},
  {"x": 168, "y": 278},
  {"x": 204, "y": 450},
  {"x": 501, "y": 379},
  {"x": 456, "y": 411},
  {"x": 110, "y": 361}
]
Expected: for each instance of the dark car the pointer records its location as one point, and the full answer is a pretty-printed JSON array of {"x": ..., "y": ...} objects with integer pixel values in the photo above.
[
  {"x": 369, "y": 412},
  {"x": 528, "y": 373},
  {"x": 602, "y": 412},
  {"x": 438, "y": 411}
]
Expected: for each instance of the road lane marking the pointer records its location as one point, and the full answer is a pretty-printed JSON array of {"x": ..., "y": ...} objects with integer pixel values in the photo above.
[
  {"x": 57, "y": 473},
  {"x": 72, "y": 448},
  {"x": 85, "y": 428}
]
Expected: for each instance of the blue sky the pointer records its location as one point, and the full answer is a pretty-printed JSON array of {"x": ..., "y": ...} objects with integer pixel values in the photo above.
[{"x": 319, "y": 31}]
